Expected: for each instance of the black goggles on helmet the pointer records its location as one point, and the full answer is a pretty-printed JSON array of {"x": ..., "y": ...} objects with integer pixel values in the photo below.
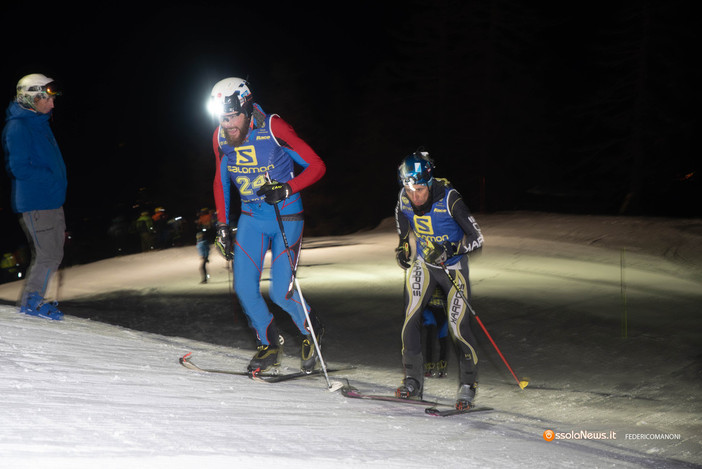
[
  {"x": 411, "y": 181},
  {"x": 50, "y": 89},
  {"x": 231, "y": 105}
]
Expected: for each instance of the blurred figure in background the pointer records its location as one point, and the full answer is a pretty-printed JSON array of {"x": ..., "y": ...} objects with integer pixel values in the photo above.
[
  {"x": 119, "y": 234},
  {"x": 203, "y": 248},
  {"x": 204, "y": 238},
  {"x": 161, "y": 228},
  {"x": 436, "y": 329},
  {"x": 145, "y": 228}
]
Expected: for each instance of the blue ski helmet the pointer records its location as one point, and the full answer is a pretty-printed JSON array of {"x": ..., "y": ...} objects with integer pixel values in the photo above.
[{"x": 417, "y": 168}]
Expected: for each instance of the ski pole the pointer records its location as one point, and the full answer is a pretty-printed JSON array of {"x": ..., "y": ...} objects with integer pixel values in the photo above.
[
  {"x": 299, "y": 291},
  {"x": 522, "y": 383}
]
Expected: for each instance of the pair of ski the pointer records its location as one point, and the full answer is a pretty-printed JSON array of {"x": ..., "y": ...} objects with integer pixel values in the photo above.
[
  {"x": 432, "y": 408},
  {"x": 264, "y": 377},
  {"x": 438, "y": 409}
]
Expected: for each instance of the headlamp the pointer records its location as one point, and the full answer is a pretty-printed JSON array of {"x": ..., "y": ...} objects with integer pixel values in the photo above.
[{"x": 215, "y": 107}]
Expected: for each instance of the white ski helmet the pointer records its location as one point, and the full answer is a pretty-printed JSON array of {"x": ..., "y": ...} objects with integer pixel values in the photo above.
[
  {"x": 32, "y": 85},
  {"x": 231, "y": 95}
]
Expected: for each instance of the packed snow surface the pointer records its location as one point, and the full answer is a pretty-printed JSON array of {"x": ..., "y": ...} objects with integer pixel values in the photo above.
[{"x": 600, "y": 314}]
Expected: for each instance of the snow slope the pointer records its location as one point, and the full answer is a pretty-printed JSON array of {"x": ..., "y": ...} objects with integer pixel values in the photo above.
[{"x": 602, "y": 314}]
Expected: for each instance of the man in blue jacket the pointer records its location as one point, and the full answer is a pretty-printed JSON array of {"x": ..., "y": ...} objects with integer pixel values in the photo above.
[{"x": 38, "y": 172}]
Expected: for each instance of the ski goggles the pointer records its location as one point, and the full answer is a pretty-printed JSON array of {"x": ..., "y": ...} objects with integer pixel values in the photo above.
[
  {"x": 234, "y": 104},
  {"x": 50, "y": 89},
  {"x": 412, "y": 183}
]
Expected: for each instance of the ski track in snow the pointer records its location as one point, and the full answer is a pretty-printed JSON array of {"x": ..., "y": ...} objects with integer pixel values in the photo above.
[{"x": 81, "y": 392}]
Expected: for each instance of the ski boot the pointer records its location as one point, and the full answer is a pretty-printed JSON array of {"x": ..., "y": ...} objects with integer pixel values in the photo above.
[
  {"x": 35, "y": 306},
  {"x": 441, "y": 369},
  {"x": 309, "y": 353},
  {"x": 411, "y": 388},
  {"x": 266, "y": 357},
  {"x": 430, "y": 370},
  {"x": 465, "y": 396}
]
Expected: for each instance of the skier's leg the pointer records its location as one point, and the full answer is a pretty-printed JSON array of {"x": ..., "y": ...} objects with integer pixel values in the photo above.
[
  {"x": 249, "y": 253},
  {"x": 429, "y": 336},
  {"x": 46, "y": 231},
  {"x": 443, "y": 336},
  {"x": 418, "y": 287},
  {"x": 459, "y": 327},
  {"x": 281, "y": 274},
  {"x": 290, "y": 301}
]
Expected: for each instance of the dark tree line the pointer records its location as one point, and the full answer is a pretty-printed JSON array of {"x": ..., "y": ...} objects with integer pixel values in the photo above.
[{"x": 584, "y": 109}]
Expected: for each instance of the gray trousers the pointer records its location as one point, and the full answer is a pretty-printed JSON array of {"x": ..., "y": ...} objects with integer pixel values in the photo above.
[{"x": 46, "y": 231}]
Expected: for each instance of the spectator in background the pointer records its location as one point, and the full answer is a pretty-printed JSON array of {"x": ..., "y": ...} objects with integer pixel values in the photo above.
[{"x": 38, "y": 173}]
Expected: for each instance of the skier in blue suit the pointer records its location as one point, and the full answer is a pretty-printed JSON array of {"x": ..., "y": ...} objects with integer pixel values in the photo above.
[{"x": 256, "y": 156}]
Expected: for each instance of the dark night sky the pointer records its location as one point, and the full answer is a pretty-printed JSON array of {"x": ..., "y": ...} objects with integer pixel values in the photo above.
[{"x": 523, "y": 107}]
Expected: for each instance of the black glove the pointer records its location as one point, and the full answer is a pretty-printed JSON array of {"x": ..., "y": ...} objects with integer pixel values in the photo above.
[
  {"x": 437, "y": 254},
  {"x": 225, "y": 241},
  {"x": 402, "y": 254},
  {"x": 274, "y": 191}
]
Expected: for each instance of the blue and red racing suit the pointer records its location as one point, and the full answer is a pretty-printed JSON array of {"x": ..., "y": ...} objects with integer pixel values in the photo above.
[{"x": 271, "y": 149}]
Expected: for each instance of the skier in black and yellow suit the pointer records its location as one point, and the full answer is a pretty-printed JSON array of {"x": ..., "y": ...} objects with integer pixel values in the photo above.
[{"x": 445, "y": 232}]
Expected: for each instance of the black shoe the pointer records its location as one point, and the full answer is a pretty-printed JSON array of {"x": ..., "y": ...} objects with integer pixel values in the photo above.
[
  {"x": 465, "y": 396},
  {"x": 429, "y": 370},
  {"x": 309, "y": 353},
  {"x": 410, "y": 389},
  {"x": 441, "y": 369},
  {"x": 265, "y": 358}
]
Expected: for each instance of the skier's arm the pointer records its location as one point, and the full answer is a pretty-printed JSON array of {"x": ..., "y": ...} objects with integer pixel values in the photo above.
[
  {"x": 301, "y": 152},
  {"x": 19, "y": 157},
  {"x": 402, "y": 224},
  {"x": 225, "y": 188},
  {"x": 217, "y": 187},
  {"x": 403, "y": 253},
  {"x": 473, "y": 239}
]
